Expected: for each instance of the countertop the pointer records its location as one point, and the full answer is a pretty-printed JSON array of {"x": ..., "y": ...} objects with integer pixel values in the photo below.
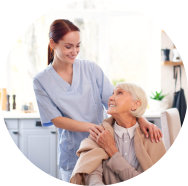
[
  {"x": 22, "y": 115},
  {"x": 19, "y": 115}
]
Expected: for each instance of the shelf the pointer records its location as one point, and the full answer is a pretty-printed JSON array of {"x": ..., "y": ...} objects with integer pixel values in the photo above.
[{"x": 171, "y": 63}]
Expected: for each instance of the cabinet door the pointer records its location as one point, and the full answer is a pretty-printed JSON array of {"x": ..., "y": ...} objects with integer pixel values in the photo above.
[
  {"x": 39, "y": 146},
  {"x": 15, "y": 135},
  {"x": 12, "y": 126}
]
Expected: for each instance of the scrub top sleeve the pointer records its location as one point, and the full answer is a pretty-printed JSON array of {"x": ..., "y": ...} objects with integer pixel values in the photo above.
[
  {"x": 104, "y": 85},
  {"x": 47, "y": 108}
]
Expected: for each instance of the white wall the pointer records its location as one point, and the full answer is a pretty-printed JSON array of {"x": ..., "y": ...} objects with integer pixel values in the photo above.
[{"x": 167, "y": 74}]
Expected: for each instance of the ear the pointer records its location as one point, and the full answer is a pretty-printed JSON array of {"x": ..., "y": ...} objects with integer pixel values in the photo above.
[
  {"x": 135, "y": 105},
  {"x": 52, "y": 43}
]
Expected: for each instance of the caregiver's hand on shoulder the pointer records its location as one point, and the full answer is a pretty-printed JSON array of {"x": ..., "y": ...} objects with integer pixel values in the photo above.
[
  {"x": 95, "y": 129},
  {"x": 106, "y": 141},
  {"x": 150, "y": 130}
]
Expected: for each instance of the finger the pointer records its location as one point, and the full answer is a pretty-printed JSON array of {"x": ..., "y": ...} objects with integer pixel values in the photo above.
[
  {"x": 144, "y": 130},
  {"x": 151, "y": 134},
  {"x": 93, "y": 138},
  {"x": 93, "y": 134},
  {"x": 100, "y": 128},
  {"x": 156, "y": 136},
  {"x": 99, "y": 140},
  {"x": 95, "y": 130},
  {"x": 160, "y": 133},
  {"x": 159, "y": 136},
  {"x": 155, "y": 133}
]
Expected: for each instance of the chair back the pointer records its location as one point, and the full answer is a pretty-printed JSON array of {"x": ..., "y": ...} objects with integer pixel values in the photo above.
[{"x": 170, "y": 125}]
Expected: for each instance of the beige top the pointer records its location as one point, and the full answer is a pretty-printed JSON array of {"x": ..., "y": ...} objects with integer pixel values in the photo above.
[{"x": 92, "y": 158}]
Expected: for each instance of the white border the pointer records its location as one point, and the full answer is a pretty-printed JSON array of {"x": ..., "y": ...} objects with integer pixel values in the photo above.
[{"x": 17, "y": 15}]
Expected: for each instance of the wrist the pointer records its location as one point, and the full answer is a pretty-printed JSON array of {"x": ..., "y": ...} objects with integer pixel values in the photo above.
[
  {"x": 112, "y": 151},
  {"x": 88, "y": 126}
]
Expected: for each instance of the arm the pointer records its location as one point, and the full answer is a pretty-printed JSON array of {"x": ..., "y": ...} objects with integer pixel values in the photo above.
[
  {"x": 74, "y": 125},
  {"x": 121, "y": 167},
  {"x": 95, "y": 178},
  {"x": 49, "y": 113},
  {"x": 116, "y": 162},
  {"x": 153, "y": 130}
]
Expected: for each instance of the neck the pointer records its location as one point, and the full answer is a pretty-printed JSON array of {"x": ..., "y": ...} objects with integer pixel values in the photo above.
[
  {"x": 125, "y": 120},
  {"x": 61, "y": 66}
]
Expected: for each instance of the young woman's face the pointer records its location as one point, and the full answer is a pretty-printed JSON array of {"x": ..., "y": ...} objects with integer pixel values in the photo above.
[
  {"x": 67, "y": 49},
  {"x": 120, "y": 102}
]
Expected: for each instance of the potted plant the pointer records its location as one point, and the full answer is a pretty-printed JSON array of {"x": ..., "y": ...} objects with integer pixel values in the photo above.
[
  {"x": 116, "y": 81},
  {"x": 157, "y": 96}
]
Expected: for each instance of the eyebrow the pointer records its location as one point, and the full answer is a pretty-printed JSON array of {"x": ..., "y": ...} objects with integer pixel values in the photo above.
[{"x": 72, "y": 44}]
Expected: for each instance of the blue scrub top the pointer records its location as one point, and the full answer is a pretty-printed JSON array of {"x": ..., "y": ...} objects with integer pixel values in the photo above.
[{"x": 83, "y": 100}]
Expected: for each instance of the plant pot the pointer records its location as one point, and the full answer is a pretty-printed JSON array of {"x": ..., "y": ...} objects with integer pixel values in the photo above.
[{"x": 154, "y": 105}]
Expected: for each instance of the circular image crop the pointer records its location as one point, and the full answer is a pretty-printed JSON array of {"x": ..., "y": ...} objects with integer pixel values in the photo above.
[{"x": 94, "y": 94}]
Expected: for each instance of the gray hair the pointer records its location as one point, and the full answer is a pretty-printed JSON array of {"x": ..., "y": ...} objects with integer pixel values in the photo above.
[{"x": 138, "y": 94}]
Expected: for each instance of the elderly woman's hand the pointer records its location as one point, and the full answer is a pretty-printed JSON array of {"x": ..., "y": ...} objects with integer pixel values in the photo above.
[
  {"x": 105, "y": 140},
  {"x": 150, "y": 129}
]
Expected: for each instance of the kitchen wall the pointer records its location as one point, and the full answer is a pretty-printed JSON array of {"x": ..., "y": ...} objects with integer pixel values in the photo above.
[
  {"x": 167, "y": 79},
  {"x": 168, "y": 82}
]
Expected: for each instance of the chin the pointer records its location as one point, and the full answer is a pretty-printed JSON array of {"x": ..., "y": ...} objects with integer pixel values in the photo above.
[
  {"x": 110, "y": 112},
  {"x": 70, "y": 61}
]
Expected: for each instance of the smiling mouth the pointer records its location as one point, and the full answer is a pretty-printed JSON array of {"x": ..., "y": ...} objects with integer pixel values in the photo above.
[
  {"x": 111, "y": 105},
  {"x": 72, "y": 57}
]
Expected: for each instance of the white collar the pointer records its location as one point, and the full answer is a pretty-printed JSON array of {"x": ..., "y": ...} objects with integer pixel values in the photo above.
[{"x": 121, "y": 130}]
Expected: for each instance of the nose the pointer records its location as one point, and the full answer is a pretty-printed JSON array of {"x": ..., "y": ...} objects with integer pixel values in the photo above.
[
  {"x": 111, "y": 98},
  {"x": 75, "y": 51}
]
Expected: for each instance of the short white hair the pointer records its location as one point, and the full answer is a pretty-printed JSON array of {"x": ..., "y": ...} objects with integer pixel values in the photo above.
[{"x": 138, "y": 94}]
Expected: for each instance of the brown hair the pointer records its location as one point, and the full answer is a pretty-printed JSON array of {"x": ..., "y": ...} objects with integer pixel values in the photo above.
[{"x": 58, "y": 29}]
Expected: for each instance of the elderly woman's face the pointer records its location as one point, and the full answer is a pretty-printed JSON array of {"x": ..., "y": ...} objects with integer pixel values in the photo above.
[{"x": 121, "y": 102}]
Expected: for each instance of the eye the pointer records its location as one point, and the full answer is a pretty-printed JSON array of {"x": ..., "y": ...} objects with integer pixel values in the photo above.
[
  {"x": 68, "y": 47},
  {"x": 78, "y": 46},
  {"x": 120, "y": 92}
]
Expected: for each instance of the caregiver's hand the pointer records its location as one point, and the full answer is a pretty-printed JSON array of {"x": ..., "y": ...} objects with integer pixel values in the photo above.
[
  {"x": 106, "y": 141},
  {"x": 150, "y": 130},
  {"x": 95, "y": 129}
]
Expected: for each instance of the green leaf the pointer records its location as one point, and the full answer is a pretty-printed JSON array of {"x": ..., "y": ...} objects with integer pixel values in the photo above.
[{"x": 157, "y": 95}]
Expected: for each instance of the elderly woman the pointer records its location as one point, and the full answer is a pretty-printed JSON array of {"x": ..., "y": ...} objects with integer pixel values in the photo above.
[{"x": 120, "y": 151}]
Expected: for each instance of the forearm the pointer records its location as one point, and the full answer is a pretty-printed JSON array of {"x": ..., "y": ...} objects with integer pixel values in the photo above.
[
  {"x": 72, "y": 125},
  {"x": 121, "y": 167},
  {"x": 141, "y": 120},
  {"x": 95, "y": 178}
]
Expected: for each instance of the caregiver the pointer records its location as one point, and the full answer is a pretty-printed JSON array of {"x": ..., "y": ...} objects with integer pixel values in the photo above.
[{"x": 72, "y": 94}]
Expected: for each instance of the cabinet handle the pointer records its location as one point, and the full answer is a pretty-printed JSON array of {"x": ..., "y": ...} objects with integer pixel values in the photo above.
[
  {"x": 38, "y": 124},
  {"x": 15, "y": 132},
  {"x": 53, "y": 132}
]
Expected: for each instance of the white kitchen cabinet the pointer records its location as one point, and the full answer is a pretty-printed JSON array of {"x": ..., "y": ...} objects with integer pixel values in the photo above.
[
  {"x": 39, "y": 144},
  {"x": 12, "y": 126}
]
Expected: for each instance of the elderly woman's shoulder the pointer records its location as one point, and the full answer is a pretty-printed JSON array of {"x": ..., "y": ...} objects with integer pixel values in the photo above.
[{"x": 146, "y": 142}]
